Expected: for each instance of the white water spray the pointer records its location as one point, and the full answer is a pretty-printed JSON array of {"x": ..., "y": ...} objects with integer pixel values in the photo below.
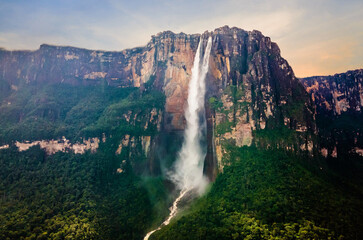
[
  {"x": 189, "y": 166},
  {"x": 188, "y": 172}
]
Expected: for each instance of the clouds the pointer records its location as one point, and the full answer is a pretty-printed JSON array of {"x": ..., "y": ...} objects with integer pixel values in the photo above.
[
  {"x": 326, "y": 39},
  {"x": 317, "y": 37}
]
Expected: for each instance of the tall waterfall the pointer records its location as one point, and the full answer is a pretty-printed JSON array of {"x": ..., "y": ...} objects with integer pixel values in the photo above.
[
  {"x": 188, "y": 171},
  {"x": 189, "y": 166}
]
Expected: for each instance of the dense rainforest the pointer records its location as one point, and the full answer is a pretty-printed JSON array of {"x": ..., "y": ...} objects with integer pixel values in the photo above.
[
  {"x": 261, "y": 194},
  {"x": 68, "y": 195},
  {"x": 274, "y": 194},
  {"x": 88, "y": 140}
]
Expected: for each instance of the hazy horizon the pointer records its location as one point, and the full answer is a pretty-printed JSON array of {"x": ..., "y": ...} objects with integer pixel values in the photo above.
[{"x": 320, "y": 38}]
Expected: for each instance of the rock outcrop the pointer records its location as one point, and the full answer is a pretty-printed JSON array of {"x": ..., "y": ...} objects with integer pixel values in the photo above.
[
  {"x": 339, "y": 104},
  {"x": 254, "y": 94},
  {"x": 252, "y": 91},
  {"x": 165, "y": 62},
  {"x": 334, "y": 95}
]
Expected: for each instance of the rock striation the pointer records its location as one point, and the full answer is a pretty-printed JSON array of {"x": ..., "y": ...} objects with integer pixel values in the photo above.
[
  {"x": 334, "y": 95},
  {"x": 339, "y": 104},
  {"x": 252, "y": 91}
]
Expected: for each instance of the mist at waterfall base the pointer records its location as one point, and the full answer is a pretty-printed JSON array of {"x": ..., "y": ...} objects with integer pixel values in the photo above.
[
  {"x": 188, "y": 169},
  {"x": 187, "y": 173}
]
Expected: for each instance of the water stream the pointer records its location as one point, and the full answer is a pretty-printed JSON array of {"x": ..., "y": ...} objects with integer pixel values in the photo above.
[{"x": 188, "y": 169}]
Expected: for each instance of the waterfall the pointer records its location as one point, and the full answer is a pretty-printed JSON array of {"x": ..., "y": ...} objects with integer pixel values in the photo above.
[
  {"x": 189, "y": 166},
  {"x": 188, "y": 169}
]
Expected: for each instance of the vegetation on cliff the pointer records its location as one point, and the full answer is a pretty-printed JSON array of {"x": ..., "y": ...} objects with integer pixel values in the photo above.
[
  {"x": 78, "y": 196},
  {"x": 133, "y": 102},
  {"x": 272, "y": 194},
  {"x": 73, "y": 196},
  {"x": 54, "y": 110}
]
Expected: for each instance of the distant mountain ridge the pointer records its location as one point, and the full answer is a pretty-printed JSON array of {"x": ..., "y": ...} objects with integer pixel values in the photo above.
[
  {"x": 339, "y": 103},
  {"x": 336, "y": 93},
  {"x": 254, "y": 87},
  {"x": 87, "y": 139}
]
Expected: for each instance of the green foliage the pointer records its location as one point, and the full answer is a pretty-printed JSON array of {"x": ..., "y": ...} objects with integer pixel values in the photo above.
[
  {"x": 224, "y": 127},
  {"x": 296, "y": 110},
  {"x": 150, "y": 82},
  {"x": 159, "y": 197},
  {"x": 271, "y": 195},
  {"x": 235, "y": 92},
  {"x": 215, "y": 103},
  {"x": 260, "y": 195},
  {"x": 46, "y": 197},
  {"x": 135, "y": 107},
  {"x": 51, "y": 111},
  {"x": 297, "y": 103},
  {"x": 281, "y": 136},
  {"x": 73, "y": 196},
  {"x": 222, "y": 225}
]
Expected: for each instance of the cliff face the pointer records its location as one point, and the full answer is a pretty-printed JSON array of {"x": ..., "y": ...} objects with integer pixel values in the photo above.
[
  {"x": 252, "y": 93},
  {"x": 334, "y": 95},
  {"x": 165, "y": 62},
  {"x": 255, "y": 96},
  {"x": 339, "y": 102}
]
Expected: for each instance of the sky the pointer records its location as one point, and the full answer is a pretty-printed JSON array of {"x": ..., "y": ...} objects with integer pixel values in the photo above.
[{"x": 317, "y": 37}]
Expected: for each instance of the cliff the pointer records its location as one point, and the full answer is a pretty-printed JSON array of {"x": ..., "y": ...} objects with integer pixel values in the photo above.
[
  {"x": 252, "y": 95},
  {"x": 166, "y": 62},
  {"x": 339, "y": 101},
  {"x": 88, "y": 139},
  {"x": 334, "y": 95}
]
